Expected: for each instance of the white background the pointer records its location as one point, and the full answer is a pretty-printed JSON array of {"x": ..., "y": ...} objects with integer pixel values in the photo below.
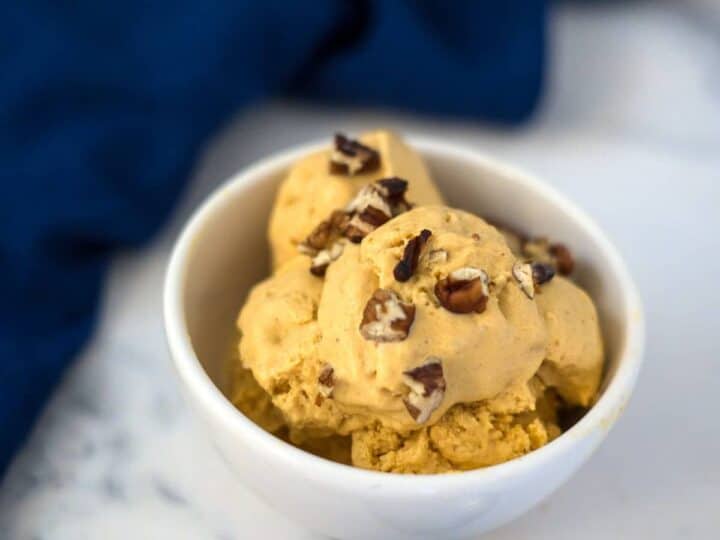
[{"x": 630, "y": 130}]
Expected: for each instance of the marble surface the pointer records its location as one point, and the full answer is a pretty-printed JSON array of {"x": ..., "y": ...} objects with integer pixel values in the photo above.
[{"x": 630, "y": 129}]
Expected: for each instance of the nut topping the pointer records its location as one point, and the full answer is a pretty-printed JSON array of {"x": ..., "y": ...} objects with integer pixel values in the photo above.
[
  {"x": 394, "y": 189},
  {"x": 523, "y": 273},
  {"x": 322, "y": 260},
  {"x": 437, "y": 256},
  {"x": 563, "y": 258},
  {"x": 558, "y": 255},
  {"x": 363, "y": 224},
  {"x": 542, "y": 273},
  {"x": 322, "y": 235},
  {"x": 464, "y": 290},
  {"x": 370, "y": 210},
  {"x": 324, "y": 244},
  {"x": 374, "y": 205},
  {"x": 531, "y": 275},
  {"x": 369, "y": 196},
  {"x": 406, "y": 267},
  {"x": 386, "y": 317},
  {"x": 350, "y": 157},
  {"x": 325, "y": 234},
  {"x": 319, "y": 237},
  {"x": 427, "y": 389},
  {"x": 326, "y": 381},
  {"x": 304, "y": 249}
]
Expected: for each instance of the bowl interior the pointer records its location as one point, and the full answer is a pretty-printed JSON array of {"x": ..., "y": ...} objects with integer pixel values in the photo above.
[{"x": 229, "y": 251}]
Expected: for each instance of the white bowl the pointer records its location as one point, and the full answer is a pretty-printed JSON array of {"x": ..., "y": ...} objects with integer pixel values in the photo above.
[{"x": 223, "y": 251}]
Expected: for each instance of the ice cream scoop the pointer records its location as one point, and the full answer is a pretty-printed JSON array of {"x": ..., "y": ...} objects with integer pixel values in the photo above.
[
  {"x": 315, "y": 186},
  {"x": 434, "y": 339},
  {"x": 574, "y": 355},
  {"x": 295, "y": 326},
  {"x": 478, "y": 353}
]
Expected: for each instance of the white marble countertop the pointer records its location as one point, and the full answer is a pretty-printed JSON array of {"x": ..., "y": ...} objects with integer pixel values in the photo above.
[{"x": 630, "y": 130}]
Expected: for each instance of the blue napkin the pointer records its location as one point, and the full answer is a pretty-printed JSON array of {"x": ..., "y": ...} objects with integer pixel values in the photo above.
[{"x": 104, "y": 106}]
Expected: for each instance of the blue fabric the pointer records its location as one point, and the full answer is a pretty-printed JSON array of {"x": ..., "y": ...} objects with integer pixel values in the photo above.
[{"x": 104, "y": 105}]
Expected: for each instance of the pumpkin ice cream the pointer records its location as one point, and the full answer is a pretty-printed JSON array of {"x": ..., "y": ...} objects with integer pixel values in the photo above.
[
  {"x": 312, "y": 189},
  {"x": 407, "y": 337}
]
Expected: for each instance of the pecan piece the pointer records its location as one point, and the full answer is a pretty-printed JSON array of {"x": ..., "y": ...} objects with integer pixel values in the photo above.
[
  {"x": 351, "y": 157},
  {"x": 324, "y": 234},
  {"x": 370, "y": 209},
  {"x": 542, "y": 273},
  {"x": 372, "y": 216},
  {"x": 427, "y": 389},
  {"x": 523, "y": 273},
  {"x": 531, "y": 275},
  {"x": 406, "y": 266},
  {"x": 374, "y": 205},
  {"x": 386, "y": 317},
  {"x": 369, "y": 196},
  {"x": 564, "y": 260},
  {"x": 437, "y": 256},
  {"x": 464, "y": 290},
  {"x": 318, "y": 238},
  {"x": 394, "y": 189},
  {"x": 364, "y": 223},
  {"x": 322, "y": 260},
  {"x": 540, "y": 249},
  {"x": 326, "y": 381}
]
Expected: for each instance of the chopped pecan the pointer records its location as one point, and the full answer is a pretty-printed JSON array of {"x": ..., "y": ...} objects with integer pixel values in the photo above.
[
  {"x": 541, "y": 250},
  {"x": 339, "y": 219},
  {"x": 357, "y": 231},
  {"x": 374, "y": 205},
  {"x": 320, "y": 236},
  {"x": 304, "y": 249},
  {"x": 542, "y": 273},
  {"x": 406, "y": 266},
  {"x": 437, "y": 256},
  {"x": 351, "y": 157},
  {"x": 564, "y": 260},
  {"x": 427, "y": 389},
  {"x": 386, "y": 317},
  {"x": 530, "y": 275},
  {"x": 523, "y": 273},
  {"x": 325, "y": 233},
  {"x": 394, "y": 189},
  {"x": 322, "y": 260},
  {"x": 372, "y": 216},
  {"x": 363, "y": 224},
  {"x": 326, "y": 381},
  {"x": 464, "y": 290},
  {"x": 369, "y": 210},
  {"x": 369, "y": 196}
]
